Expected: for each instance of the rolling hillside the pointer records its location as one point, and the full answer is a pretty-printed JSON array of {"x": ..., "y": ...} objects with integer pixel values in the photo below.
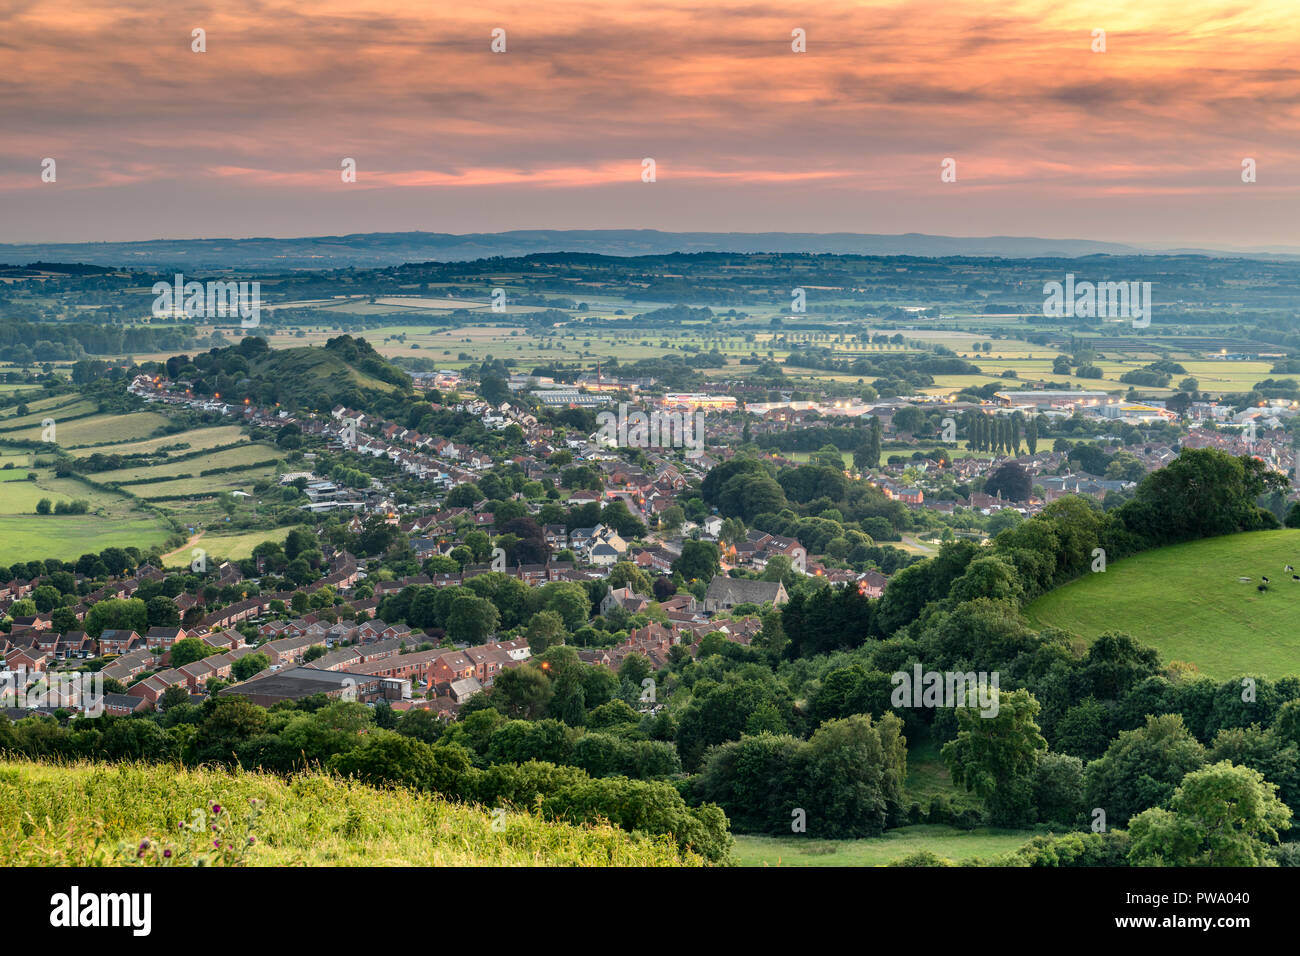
[{"x": 1187, "y": 601}]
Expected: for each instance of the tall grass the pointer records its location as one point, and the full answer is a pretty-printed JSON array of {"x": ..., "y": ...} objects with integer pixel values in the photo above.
[{"x": 83, "y": 814}]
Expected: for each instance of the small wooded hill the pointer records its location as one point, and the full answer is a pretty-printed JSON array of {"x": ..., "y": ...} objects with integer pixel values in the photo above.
[
  {"x": 346, "y": 371},
  {"x": 86, "y": 814},
  {"x": 1190, "y": 603}
]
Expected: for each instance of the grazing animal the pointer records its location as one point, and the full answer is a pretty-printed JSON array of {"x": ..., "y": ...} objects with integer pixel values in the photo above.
[
  {"x": 1261, "y": 587},
  {"x": 1244, "y": 580},
  {"x": 1295, "y": 577},
  {"x": 1264, "y": 579},
  {"x": 1288, "y": 568}
]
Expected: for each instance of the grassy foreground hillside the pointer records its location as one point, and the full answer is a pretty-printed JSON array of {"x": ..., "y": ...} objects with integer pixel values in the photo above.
[
  {"x": 1187, "y": 601},
  {"x": 78, "y": 814}
]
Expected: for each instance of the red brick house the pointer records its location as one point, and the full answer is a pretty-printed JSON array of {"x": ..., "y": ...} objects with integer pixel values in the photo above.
[{"x": 119, "y": 642}]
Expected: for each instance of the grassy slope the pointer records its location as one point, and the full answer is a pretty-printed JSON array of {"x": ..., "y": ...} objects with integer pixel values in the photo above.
[
  {"x": 308, "y": 371},
  {"x": 56, "y": 814},
  {"x": 1186, "y": 601}
]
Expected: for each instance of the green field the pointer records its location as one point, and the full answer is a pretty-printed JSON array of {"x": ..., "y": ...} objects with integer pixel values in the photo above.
[
  {"x": 246, "y": 454},
  {"x": 945, "y": 841},
  {"x": 38, "y": 406},
  {"x": 59, "y": 407},
  {"x": 113, "y": 521},
  {"x": 71, "y": 431},
  {"x": 67, "y": 537},
  {"x": 21, "y": 497},
  {"x": 1187, "y": 602},
  {"x": 98, "y": 429},
  {"x": 198, "y": 488},
  {"x": 120, "y": 519},
  {"x": 76, "y": 815},
  {"x": 197, "y": 439},
  {"x": 233, "y": 547}
]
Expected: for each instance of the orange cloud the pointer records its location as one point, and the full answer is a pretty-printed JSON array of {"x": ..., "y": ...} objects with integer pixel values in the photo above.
[{"x": 1011, "y": 89}]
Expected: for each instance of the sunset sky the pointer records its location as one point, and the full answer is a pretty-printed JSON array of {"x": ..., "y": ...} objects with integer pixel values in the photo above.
[{"x": 1142, "y": 143}]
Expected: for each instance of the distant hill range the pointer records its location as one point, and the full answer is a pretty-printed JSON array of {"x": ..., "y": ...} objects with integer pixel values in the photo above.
[{"x": 381, "y": 249}]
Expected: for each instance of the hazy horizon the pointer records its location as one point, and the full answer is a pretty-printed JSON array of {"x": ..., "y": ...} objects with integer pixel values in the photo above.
[{"x": 1155, "y": 246}]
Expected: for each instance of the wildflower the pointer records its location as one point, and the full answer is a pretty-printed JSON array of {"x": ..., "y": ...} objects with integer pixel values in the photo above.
[
  {"x": 250, "y": 841},
  {"x": 216, "y": 808},
  {"x": 167, "y": 854}
]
